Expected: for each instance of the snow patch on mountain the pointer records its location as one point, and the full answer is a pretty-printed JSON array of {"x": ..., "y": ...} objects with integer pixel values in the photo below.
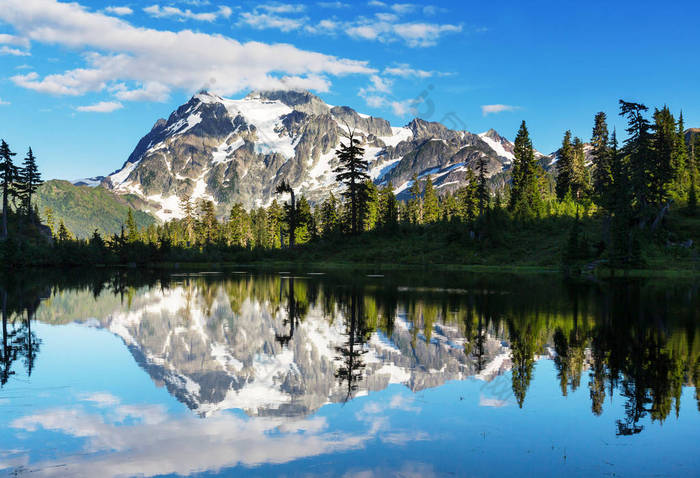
[{"x": 497, "y": 147}]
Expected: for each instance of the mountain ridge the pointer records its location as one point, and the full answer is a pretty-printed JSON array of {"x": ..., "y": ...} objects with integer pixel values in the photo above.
[{"x": 239, "y": 150}]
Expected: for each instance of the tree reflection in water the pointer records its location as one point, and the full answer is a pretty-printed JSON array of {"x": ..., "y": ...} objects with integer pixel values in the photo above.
[{"x": 637, "y": 338}]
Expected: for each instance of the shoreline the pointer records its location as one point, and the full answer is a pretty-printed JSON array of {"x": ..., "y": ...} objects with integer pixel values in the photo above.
[{"x": 598, "y": 273}]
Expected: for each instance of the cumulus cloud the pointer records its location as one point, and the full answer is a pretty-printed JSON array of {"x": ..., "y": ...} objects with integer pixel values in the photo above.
[
  {"x": 121, "y": 11},
  {"x": 6, "y": 39},
  {"x": 101, "y": 107},
  {"x": 151, "y": 91},
  {"x": 495, "y": 109},
  {"x": 6, "y": 50},
  {"x": 173, "y": 12},
  {"x": 117, "y": 52}
]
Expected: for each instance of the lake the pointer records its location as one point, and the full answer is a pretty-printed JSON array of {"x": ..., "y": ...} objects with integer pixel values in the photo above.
[{"x": 352, "y": 374}]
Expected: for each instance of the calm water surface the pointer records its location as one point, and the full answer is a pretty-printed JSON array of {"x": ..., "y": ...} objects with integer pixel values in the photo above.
[{"x": 299, "y": 373}]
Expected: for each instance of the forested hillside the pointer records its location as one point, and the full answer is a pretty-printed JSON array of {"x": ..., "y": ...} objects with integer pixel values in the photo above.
[{"x": 84, "y": 209}]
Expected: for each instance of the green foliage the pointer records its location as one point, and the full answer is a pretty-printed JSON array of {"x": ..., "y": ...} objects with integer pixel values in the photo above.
[
  {"x": 525, "y": 196},
  {"x": 83, "y": 208},
  {"x": 352, "y": 172}
]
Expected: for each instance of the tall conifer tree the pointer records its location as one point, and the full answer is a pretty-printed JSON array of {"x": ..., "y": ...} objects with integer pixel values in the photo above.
[
  {"x": 564, "y": 166},
  {"x": 525, "y": 199},
  {"x": 431, "y": 210},
  {"x": 30, "y": 179},
  {"x": 353, "y": 173},
  {"x": 8, "y": 175},
  {"x": 602, "y": 161}
]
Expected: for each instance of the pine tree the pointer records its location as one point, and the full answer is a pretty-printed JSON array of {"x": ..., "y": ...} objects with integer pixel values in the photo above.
[
  {"x": 304, "y": 230},
  {"x": 664, "y": 149},
  {"x": 188, "y": 211},
  {"x": 602, "y": 175},
  {"x": 291, "y": 211},
  {"x": 389, "y": 209},
  {"x": 637, "y": 150},
  {"x": 353, "y": 173},
  {"x": 132, "y": 232},
  {"x": 329, "y": 216},
  {"x": 680, "y": 164},
  {"x": 64, "y": 234},
  {"x": 207, "y": 221},
  {"x": 580, "y": 179},
  {"x": 369, "y": 206},
  {"x": 275, "y": 215},
  {"x": 431, "y": 211},
  {"x": 30, "y": 178},
  {"x": 525, "y": 198},
  {"x": 414, "y": 205},
  {"x": 482, "y": 190},
  {"x": 467, "y": 198},
  {"x": 564, "y": 166},
  {"x": 8, "y": 175},
  {"x": 238, "y": 226}
]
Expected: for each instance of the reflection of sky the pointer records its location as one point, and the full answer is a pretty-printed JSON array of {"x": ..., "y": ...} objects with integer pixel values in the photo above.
[{"x": 89, "y": 410}]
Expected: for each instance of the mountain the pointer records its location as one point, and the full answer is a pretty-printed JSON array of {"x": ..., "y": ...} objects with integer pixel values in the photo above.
[
  {"x": 216, "y": 346},
  {"x": 84, "y": 208},
  {"x": 239, "y": 150},
  {"x": 691, "y": 134}
]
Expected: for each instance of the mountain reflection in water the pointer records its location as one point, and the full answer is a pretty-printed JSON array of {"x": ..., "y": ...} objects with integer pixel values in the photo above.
[{"x": 279, "y": 347}]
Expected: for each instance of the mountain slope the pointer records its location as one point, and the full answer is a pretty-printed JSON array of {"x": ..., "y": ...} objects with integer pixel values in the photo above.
[
  {"x": 84, "y": 208},
  {"x": 240, "y": 150}
]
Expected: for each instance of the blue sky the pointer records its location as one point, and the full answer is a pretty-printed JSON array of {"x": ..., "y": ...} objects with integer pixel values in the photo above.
[{"x": 82, "y": 82}]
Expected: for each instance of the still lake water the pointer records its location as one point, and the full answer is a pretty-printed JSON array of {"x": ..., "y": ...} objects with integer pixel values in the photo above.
[{"x": 343, "y": 374}]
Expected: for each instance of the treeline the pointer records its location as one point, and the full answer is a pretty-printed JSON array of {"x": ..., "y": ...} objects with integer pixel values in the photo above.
[
  {"x": 626, "y": 190},
  {"x": 616, "y": 337}
]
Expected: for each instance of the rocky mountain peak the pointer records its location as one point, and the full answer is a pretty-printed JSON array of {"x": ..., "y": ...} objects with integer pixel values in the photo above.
[
  {"x": 299, "y": 100},
  {"x": 239, "y": 150}
]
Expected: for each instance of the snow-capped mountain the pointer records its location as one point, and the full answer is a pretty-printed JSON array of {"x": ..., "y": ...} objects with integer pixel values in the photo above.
[
  {"x": 240, "y": 150},
  {"x": 212, "y": 357}
]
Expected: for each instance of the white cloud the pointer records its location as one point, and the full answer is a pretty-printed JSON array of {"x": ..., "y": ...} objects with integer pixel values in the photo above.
[
  {"x": 495, "y": 109},
  {"x": 145, "y": 440},
  {"x": 423, "y": 34},
  {"x": 3, "y": 102},
  {"x": 122, "y": 11},
  {"x": 13, "y": 40},
  {"x": 333, "y": 5},
  {"x": 118, "y": 52},
  {"x": 384, "y": 29},
  {"x": 261, "y": 21},
  {"x": 101, "y": 107},
  {"x": 151, "y": 91},
  {"x": 404, "y": 70},
  {"x": 6, "y": 50},
  {"x": 379, "y": 84},
  {"x": 403, "y": 8},
  {"x": 282, "y": 8},
  {"x": 173, "y": 12}
]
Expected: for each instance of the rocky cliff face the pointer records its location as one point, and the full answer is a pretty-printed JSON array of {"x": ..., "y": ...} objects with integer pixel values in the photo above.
[{"x": 240, "y": 150}]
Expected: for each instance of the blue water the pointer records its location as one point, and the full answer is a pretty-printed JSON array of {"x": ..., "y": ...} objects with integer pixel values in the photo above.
[{"x": 91, "y": 408}]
